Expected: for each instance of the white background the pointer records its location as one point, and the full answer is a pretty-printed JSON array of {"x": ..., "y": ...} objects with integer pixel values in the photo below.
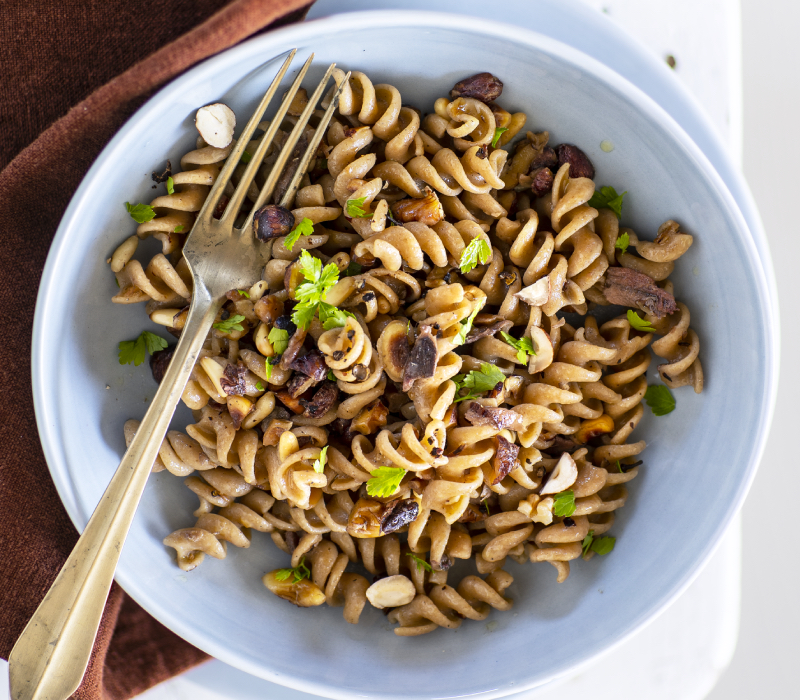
[{"x": 765, "y": 661}]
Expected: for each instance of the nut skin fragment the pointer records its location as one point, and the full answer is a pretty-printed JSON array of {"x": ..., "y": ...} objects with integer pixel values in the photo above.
[
  {"x": 579, "y": 163},
  {"x": 561, "y": 444},
  {"x": 482, "y": 86},
  {"x": 272, "y": 221},
  {"x": 505, "y": 460},
  {"x": 546, "y": 159},
  {"x": 541, "y": 181},
  {"x": 631, "y": 288},
  {"x": 322, "y": 401},
  {"x": 299, "y": 384},
  {"x": 312, "y": 365},
  {"x": 304, "y": 593},
  {"x": 499, "y": 418},
  {"x": 293, "y": 349},
  {"x": 162, "y": 177},
  {"x": 233, "y": 380},
  {"x": 483, "y": 331},
  {"x": 427, "y": 210},
  {"x": 159, "y": 361},
  {"x": 391, "y": 592},
  {"x": 422, "y": 360}
]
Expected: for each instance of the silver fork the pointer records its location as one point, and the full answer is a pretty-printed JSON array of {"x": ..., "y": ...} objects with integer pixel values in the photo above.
[{"x": 50, "y": 657}]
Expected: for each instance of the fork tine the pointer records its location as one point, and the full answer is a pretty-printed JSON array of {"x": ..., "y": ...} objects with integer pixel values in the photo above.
[
  {"x": 232, "y": 210},
  {"x": 312, "y": 147},
  {"x": 288, "y": 148},
  {"x": 235, "y": 156}
]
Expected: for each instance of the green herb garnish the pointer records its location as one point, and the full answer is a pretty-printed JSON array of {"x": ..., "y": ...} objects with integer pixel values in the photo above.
[
  {"x": 523, "y": 346},
  {"x": 279, "y": 339},
  {"x": 385, "y": 481},
  {"x": 244, "y": 293},
  {"x": 638, "y": 323},
  {"x": 660, "y": 399},
  {"x": 478, "y": 382},
  {"x": 421, "y": 563},
  {"x": 311, "y": 293},
  {"x": 478, "y": 249},
  {"x": 608, "y": 198},
  {"x": 268, "y": 368},
  {"x": 304, "y": 228},
  {"x": 619, "y": 467},
  {"x": 465, "y": 327},
  {"x": 299, "y": 572},
  {"x": 353, "y": 269},
  {"x": 259, "y": 385},
  {"x": 178, "y": 229},
  {"x": 564, "y": 504},
  {"x": 599, "y": 545},
  {"x": 622, "y": 243},
  {"x": 246, "y": 157},
  {"x": 331, "y": 317},
  {"x": 319, "y": 464},
  {"x": 498, "y": 132},
  {"x": 232, "y": 323},
  {"x": 140, "y": 213},
  {"x": 170, "y": 185},
  {"x": 136, "y": 350},
  {"x": 355, "y": 208},
  {"x": 331, "y": 376}
]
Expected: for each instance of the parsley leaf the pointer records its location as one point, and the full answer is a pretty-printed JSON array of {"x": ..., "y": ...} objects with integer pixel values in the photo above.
[
  {"x": 311, "y": 293},
  {"x": 331, "y": 376},
  {"x": 355, "y": 208},
  {"x": 279, "y": 339},
  {"x": 304, "y": 228},
  {"x": 136, "y": 350},
  {"x": 232, "y": 323},
  {"x": 385, "y": 481},
  {"x": 246, "y": 157},
  {"x": 622, "y": 243},
  {"x": 319, "y": 464},
  {"x": 619, "y": 467},
  {"x": 599, "y": 545},
  {"x": 299, "y": 572},
  {"x": 564, "y": 504},
  {"x": 498, "y": 132},
  {"x": 352, "y": 270},
  {"x": 268, "y": 368},
  {"x": 660, "y": 399},
  {"x": 608, "y": 198},
  {"x": 244, "y": 293},
  {"x": 587, "y": 543},
  {"x": 478, "y": 382},
  {"x": 421, "y": 563},
  {"x": 259, "y": 385},
  {"x": 638, "y": 323},
  {"x": 170, "y": 185},
  {"x": 478, "y": 248},
  {"x": 140, "y": 213},
  {"x": 465, "y": 327},
  {"x": 331, "y": 317},
  {"x": 523, "y": 346},
  {"x": 178, "y": 229}
]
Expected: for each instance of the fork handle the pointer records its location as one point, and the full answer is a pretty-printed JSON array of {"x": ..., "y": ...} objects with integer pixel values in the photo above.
[{"x": 49, "y": 659}]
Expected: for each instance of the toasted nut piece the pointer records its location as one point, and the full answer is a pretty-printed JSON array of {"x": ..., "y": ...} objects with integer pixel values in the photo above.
[
  {"x": 527, "y": 506},
  {"x": 427, "y": 210},
  {"x": 422, "y": 359},
  {"x": 563, "y": 476},
  {"x": 544, "y": 350},
  {"x": 272, "y": 221},
  {"x": 274, "y": 430},
  {"x": 505, "y": 460},
  {"x": 592, "y": 428},
  {"x": 544, "y": 511},
  {"x": 541, "y": 181},
  {"x": 393, "y": 349},
  {"x": 293, "y": 277},
  {"x": 370, "y": 418},
  {"x": 579, "y": 163},
  {"x": 159, "y": 361},
  {"x": 215, "y": 372},
  {"x": 304, "y": 593},
  {"x": 535, "y": 294},
  {"x": 216, "y": 124},
  {"x": 391, "y": 592},
  {"x": 366, "y": 518},
  {"x": 482, "y": 86},
  {"x": 239, "y": 407}
]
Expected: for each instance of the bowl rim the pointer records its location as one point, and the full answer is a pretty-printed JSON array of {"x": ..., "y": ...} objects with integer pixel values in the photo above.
[{"x": 265, "y": 44}]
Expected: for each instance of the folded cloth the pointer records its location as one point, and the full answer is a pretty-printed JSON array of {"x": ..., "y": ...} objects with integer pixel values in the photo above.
[{"x": 105, "y": 57}]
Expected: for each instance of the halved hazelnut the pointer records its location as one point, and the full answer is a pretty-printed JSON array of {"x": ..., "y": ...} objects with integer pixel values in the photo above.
[
  {"x": 563, "y": 476},
  {"x": 391, "y": 592},
  {"x": 427, "y": 210},
  {"x": 535, "y": 294},
  {"x": 592, "y": 428},
  {"x": 303, "y": 593},
  {"x": 216, "y": 124},
  {"x": 393, "y": 349}
]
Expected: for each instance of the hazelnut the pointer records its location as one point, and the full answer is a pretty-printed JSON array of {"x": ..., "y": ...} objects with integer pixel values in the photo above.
[
  {"x": 272, "y": 221},
  {"x": 592, "y": 428},
  {"x": 303, "y": 593},
  {"x": 216, "y": 124},
  {"x": 427, "y": 210},
  {"x": 391, "y": 592}
]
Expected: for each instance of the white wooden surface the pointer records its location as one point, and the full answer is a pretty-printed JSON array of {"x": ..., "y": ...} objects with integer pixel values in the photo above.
[{"x": 680, "y": 655}]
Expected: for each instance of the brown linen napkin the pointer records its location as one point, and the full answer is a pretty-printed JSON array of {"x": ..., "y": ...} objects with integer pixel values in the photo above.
[{"x": 105, "y": 57}]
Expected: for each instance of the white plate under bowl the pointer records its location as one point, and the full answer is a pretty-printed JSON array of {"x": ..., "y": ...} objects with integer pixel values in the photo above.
[{"x": 700, "y": 459}]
